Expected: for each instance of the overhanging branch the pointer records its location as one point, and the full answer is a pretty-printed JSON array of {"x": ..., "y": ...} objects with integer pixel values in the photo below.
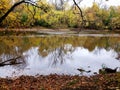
[
  {"x": 17, "y": 4},
  {"x": 81, "y": 13},
  {"x": 10, "y": 10}
]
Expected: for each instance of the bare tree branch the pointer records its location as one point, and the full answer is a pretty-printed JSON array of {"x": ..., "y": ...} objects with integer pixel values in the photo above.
[{"x": 81, "y": 13}]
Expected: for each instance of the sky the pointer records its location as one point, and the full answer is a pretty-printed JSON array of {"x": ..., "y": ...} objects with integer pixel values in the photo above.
[{"x": 88, "y": 3}]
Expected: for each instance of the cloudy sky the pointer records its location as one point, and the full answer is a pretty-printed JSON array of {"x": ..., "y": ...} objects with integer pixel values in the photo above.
[{"x": 88, "y": 3}]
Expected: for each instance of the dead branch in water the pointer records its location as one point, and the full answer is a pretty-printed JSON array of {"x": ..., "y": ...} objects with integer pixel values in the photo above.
[{"x": 12, "y": 61}]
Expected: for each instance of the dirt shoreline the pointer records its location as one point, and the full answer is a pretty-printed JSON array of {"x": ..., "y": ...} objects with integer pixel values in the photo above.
[
  {"x": 62, "y": 82},
  {"x": 44, "y": 31},
  {"x": 50, "y": 29},
  {"x": 34, "y": 29}
]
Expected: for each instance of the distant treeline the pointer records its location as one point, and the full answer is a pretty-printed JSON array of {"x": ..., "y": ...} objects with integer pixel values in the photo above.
[{"x": 27, "y": 16}]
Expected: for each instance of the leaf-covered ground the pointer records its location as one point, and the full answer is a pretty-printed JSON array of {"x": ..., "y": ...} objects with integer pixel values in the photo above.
[{"x": 62, "y": 82}]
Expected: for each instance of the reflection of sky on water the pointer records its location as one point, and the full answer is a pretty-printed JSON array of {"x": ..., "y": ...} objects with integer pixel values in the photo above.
[{"x": 78, "y": 58}]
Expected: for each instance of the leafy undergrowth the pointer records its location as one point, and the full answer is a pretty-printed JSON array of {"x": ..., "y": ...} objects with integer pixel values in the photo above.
[{"x": 62, "y": 82}]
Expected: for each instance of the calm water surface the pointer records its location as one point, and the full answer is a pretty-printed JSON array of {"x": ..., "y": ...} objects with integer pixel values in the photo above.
[{"x": 58, "y": 54}]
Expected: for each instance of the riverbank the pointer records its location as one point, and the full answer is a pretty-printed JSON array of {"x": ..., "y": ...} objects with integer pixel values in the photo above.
[
  {"x": 39, "y": 31},
  {"x": 62, "y": 82}
]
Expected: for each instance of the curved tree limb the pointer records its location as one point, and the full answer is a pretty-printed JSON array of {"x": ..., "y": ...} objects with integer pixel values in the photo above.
[
  {"x": 10, "y": 10},
  {"x": 17, "y": 4}
]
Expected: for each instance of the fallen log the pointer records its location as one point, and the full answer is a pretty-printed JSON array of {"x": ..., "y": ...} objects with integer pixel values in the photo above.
[{"x": 107, "y": 70}]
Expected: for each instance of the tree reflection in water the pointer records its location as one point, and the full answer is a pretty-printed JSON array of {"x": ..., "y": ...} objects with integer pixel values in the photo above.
[
  {"x": 14, "y": 58},
  {"x": 59, "y": 54},
  {"x": 67, "y": 53}
]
